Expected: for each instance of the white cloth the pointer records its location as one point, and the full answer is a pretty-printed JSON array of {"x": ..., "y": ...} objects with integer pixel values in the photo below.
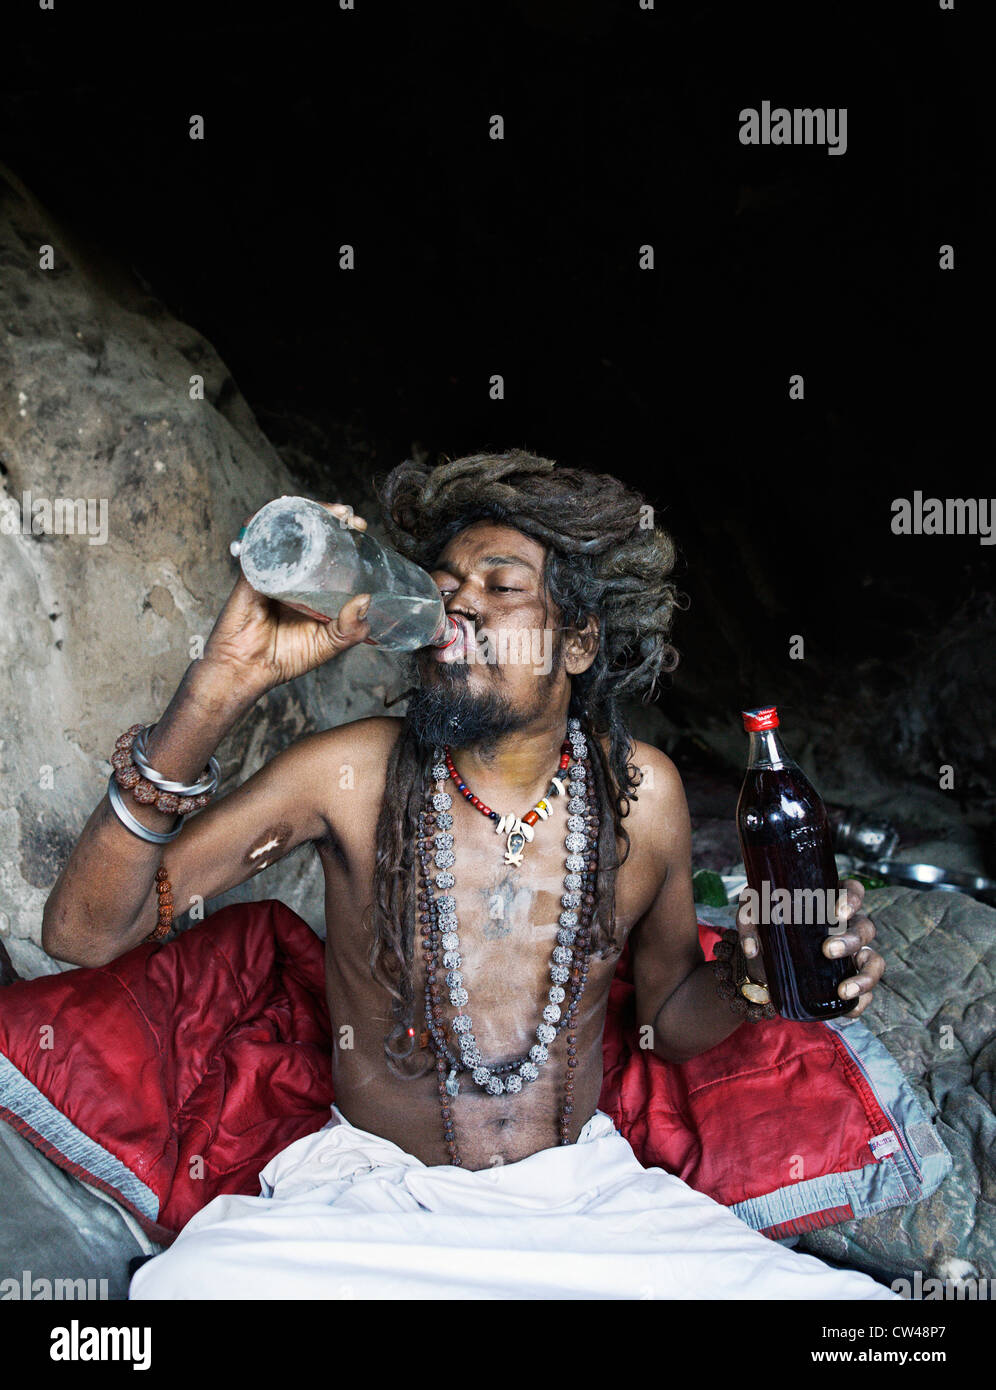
[{"x": 346, "y": 1214}]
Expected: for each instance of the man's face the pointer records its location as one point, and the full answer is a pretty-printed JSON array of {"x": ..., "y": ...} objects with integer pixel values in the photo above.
[{"x": 505, "y": 668}]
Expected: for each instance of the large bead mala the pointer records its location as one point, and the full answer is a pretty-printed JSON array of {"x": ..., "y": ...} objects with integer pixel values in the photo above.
[{"x": 571, "y": 956}]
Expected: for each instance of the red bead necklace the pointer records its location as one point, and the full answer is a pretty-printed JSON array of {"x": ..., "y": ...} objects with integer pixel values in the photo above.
[{"x": 517, "y": 831}]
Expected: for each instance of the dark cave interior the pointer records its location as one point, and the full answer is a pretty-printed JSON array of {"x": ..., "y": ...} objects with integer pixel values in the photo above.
[{"x": 520, "y": 257}]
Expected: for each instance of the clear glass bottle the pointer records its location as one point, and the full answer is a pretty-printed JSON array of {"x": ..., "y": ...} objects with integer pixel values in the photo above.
[
  {"x": 787, "y": 844},
  {"x": 296, "y": 551}
]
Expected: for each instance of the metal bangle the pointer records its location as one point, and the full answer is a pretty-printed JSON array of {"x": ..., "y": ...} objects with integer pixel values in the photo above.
[
  {"x": 155, "y": 837},
  {"x": 207, "y": 786}
]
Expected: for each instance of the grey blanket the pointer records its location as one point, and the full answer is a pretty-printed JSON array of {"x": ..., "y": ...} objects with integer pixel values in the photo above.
[
  {"x": 60, "y": 1238},
  {"x": 935, "y": 1011}
]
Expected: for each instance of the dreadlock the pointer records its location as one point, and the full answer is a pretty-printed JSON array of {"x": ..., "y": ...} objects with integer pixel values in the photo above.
[{"x": 603, "y": 557}]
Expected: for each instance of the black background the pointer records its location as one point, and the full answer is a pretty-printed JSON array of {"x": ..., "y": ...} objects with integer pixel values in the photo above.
[{"x": 520, "y": 257}]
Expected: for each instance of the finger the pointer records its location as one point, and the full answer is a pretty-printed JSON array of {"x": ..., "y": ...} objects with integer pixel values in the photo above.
[
  {"x": 346, "y": 515},
  {"x": 351, "y": 625},
  {"x": 861, "y": 1005},
  {"x": 745, "y": 926},
  {"x": 860, "y": 932},
  {"x": 865, "y": 981},
  {"x": 850, "y": 894},
  {"x": 870, "y": 963},
  {"x": 861, "y": 984},
  {"x": 244, "y": 598}
]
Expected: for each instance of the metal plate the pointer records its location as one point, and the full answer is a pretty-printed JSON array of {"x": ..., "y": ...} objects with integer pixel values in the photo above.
[{"x": 933, "y": 876}]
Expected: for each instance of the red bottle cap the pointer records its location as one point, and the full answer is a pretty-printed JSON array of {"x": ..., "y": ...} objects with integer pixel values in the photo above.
[{"x": 757, "y": 719}]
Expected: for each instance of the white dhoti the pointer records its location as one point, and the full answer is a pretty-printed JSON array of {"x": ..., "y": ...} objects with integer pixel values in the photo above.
[{"x": 345, "y": 1214}]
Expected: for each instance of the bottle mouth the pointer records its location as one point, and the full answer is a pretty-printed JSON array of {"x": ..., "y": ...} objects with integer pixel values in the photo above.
[{"x": 449, "y": 634}]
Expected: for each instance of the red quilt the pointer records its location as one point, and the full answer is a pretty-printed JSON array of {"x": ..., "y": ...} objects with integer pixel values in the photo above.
[{"x": 175, "y": 1073}]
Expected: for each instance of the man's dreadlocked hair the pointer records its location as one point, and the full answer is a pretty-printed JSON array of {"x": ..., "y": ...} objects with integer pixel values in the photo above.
[{"x": 602, "y": 558}]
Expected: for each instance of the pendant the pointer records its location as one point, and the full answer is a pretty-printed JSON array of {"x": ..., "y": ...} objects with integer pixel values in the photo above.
[
  {"x": 452, "y": 1084},
  {"x": 516, "y": 833},
  {"x": 514, "y": 846}
]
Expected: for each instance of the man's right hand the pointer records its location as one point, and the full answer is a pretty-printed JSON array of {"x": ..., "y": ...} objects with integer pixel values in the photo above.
[{"x": 266, "y": 643}]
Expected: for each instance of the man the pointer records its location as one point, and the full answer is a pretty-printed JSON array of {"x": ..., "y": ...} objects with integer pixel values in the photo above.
[{"x": 520, "y": 550}]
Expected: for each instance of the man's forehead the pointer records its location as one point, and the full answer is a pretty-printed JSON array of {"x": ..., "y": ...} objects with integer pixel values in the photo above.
[{"x": 484, "y": 541}]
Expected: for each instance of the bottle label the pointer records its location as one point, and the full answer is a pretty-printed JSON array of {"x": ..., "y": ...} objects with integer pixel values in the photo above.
[{"x": 884, "y": 1144}]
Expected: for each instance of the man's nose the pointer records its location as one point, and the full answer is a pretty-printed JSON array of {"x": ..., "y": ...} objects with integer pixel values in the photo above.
[{"x": 461, "y": 601}]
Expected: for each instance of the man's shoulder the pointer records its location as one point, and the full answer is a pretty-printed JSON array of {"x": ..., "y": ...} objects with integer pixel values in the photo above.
[
  {"x": 660, "y": 785},
  {"x": 339, "y": 762},
  {"x": 657, "y": 822},
  {"x": 366, "y": 741}
]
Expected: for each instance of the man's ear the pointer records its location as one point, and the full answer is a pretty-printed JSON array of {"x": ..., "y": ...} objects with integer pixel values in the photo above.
[{"x": 581, "y": 646}]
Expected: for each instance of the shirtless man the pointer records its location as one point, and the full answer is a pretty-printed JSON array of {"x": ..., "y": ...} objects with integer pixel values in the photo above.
[{"x": 504, "y": 724}]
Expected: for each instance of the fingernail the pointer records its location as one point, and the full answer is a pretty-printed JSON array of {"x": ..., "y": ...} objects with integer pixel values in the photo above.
[
  {"x": 750, "y": 947},
  {"x": 851, "y": 989},
  {"x": 836, "y": 948}
]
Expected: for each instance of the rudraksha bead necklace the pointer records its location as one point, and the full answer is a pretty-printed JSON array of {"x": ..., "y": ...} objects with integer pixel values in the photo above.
[{"x": 571, "y": 955}]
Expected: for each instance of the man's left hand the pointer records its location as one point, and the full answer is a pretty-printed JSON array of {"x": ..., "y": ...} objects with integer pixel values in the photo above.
[{"x": 855, "y": 941}]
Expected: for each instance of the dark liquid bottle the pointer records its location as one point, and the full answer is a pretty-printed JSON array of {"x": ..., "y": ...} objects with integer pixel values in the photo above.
[{"x": 787, "y": 844}]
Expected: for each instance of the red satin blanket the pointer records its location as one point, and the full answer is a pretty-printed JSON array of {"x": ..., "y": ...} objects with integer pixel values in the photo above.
[{"x": 195, "y": 1062}]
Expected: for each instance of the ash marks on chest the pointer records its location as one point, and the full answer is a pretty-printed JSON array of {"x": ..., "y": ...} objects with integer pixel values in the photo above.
[{"x": 508, "y": 904}]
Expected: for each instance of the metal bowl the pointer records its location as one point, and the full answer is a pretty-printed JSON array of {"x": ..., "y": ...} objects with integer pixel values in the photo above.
[{"x": 932, "y": 876}]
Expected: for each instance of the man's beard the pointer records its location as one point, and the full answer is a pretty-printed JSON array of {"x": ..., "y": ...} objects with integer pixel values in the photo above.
[{"x": 449, "y": 712}]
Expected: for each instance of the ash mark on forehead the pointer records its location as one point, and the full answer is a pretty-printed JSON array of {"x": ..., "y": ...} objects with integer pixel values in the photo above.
[{"x": 269, "y": 844}]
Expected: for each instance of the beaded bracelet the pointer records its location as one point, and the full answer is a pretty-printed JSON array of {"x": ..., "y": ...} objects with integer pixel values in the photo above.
[
  {"x": 164, "y": 923},
  {"x": 730, "y": 969},
  {"x": 146, "y": 792}
]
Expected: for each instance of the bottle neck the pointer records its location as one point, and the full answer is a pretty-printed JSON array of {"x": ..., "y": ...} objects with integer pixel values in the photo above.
[{"x": 767, "y": 750}]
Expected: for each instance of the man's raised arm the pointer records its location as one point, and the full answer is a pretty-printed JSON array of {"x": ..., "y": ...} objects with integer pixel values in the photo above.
[{"x": 104, "y": 901}]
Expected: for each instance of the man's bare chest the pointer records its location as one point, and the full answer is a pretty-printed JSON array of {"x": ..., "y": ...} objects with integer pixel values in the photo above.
[{"x": 507, "y": 924}]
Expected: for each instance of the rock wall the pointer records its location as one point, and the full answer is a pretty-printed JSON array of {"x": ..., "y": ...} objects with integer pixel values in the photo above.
[{"x": 96, "y": 629}]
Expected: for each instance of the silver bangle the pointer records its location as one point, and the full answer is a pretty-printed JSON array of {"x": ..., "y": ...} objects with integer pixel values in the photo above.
[
  {"x": 155, "y": 837},
  {"x": 206, "y": 787}
]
